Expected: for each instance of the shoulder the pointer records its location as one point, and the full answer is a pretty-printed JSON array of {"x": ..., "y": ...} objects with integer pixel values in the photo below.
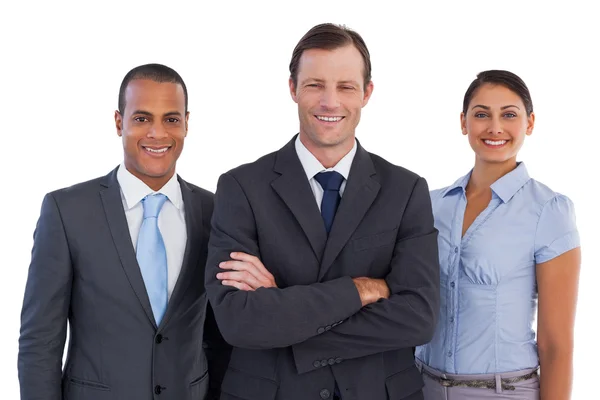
[
  {"x": 393, "y": 173},
  {"x": 79, "y": 190}
]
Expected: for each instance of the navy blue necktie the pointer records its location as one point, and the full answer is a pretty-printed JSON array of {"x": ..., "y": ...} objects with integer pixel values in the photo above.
[{"x": 331, "y": 182}]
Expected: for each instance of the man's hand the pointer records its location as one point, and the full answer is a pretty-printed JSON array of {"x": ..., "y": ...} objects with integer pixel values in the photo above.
[
  {"x": 371, "y": 290},
  {"x": 246, "y": 272}
]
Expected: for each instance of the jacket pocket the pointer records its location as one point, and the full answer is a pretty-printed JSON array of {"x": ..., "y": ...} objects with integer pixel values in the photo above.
[
  {"x": 248, "y": 387},
  {"x": 199, "y": 387},
  {"x": 404, "y": 383},
  {"x": 199, "y": 379},
  {"x": 88, "y": 384}
]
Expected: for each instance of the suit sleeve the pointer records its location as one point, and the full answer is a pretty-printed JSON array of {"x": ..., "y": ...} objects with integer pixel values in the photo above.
[
  {"x": 268, "y": 317},
  {"x": 408, "y": 318},
  {"x": 45, "y": 308},
  {"x": 218, "y": 353}
]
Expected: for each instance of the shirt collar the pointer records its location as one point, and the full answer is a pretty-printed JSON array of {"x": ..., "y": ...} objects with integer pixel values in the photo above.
[
  {"x": 312, "y": 166},
  {"x": 509, "y": 184},
  {"x": 505, "y": 187},
  {"x": 134, "y": 190}
]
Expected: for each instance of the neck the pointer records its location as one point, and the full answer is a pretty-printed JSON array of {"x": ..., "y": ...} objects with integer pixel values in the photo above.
[
  {"x": 328, "y": 156},
  {"x": 154, "y": 183},
  {"x": 485, "y": 174}
]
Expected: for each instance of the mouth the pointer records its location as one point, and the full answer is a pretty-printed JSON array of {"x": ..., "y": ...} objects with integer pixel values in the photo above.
[
  {"x": 494, "y": 144},
  {"x": 329, "y": 119},
  {"x": 156, "y": 151}
]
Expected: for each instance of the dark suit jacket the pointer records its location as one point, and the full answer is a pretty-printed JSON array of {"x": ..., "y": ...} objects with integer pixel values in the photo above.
[
  {"x": 295, "y": 341},
  {"x": 84, "y": 269}
]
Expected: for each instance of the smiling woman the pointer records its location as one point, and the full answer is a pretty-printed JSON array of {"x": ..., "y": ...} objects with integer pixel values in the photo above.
[{"x": 513, "y": 240}]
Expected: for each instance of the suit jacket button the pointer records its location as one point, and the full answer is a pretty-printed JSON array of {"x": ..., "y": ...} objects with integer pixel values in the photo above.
[
  {"x": 324, "y": 394},
  {"x": 323, "y": 363},
  {"x": 320, "y": 330},
  {"x": 328, "y": 327},
  {"x": 338, "y": 360},
  {"x": 159, "y": 339},
  {"x": 331, "y": 361},
  {"x": 317, "y": 364},
  {"x": 158, "y": 389}
]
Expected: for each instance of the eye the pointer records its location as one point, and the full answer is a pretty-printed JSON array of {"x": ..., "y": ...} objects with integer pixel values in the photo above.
[
  {"x": 315, "y": 85},
  {"x": 140, "y": 119},
  {"x": 510, "y": 115},
  {"x": 347, "y": 87},
  {"x": 480, "y": 115},
  {"x": 173, "y": 120}
]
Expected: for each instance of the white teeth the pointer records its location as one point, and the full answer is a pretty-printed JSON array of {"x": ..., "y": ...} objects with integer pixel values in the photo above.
[
  {"x": 329, "y": 119},
  {"x": 157, "y": 151},
  {"x": 495, "y": 142}
]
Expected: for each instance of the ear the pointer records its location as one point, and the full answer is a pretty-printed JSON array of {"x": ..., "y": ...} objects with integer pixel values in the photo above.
[
  {"x": 368, "y": 92},
  {"x": 463, "y": 123},
  {"x": 119, "y": 123},
  {"x": 530, "y": 123},
  {"x": 293, "y": 90},
  {"x": 187, "y": 117}
]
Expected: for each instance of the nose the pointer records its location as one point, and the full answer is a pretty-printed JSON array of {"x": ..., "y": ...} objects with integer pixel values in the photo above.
[
  {"x": 495, "y": 127},
  {"x": 329, "y": 99},
  {"x": 157, "y": 131}
]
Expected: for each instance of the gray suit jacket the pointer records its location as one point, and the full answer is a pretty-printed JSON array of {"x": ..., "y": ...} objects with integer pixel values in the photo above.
[
  {"x": 295, "y": 341},
  {"x": 84, "y": 270}
]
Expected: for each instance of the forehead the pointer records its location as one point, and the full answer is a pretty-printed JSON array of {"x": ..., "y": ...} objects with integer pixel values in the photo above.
[
  {"x": 495, "y": 95},
  {"x": 343, "y": 63},
  {"x": 148, "y": 95}
]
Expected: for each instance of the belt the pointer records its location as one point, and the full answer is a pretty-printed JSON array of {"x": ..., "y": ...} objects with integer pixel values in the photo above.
[{"x": 479, "y": 383}]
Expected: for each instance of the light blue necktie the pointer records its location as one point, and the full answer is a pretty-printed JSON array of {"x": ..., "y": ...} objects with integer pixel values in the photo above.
[{"x": 152, "y": 256}]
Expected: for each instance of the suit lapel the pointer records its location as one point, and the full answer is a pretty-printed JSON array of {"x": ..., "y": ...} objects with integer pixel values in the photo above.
[
  {"x": 117, "y": 223},
  {"x": 195, "y": 241},
  {"x": 360, "y": 192},
  {"x": 294, "y": 189}
]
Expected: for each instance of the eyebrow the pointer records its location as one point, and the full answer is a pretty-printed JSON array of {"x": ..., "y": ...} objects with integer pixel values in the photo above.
[
  {"x": 487, "y": 107},
  {"x": 322, "y": 81},
  {"x": 169, "y": 114}
]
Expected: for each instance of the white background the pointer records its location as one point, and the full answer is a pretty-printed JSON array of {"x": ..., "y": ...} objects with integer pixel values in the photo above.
[{"x": 62, "y": 64}]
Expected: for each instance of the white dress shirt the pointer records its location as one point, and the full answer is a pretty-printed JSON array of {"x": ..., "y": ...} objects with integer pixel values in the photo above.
[
  {"x": 171, "y": 219},
  {"x": 312, "y": 167}
]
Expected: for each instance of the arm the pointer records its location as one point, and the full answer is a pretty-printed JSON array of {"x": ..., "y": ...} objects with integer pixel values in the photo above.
[
  {"x": 558, "y": 258},
  {"x": 556, "y": 318},
  {"x": 45, "y": 308},
  {"x": 409, "y": 316},
  {"x": 217, "y": 351},
  {"x": 267, "y": 317}
]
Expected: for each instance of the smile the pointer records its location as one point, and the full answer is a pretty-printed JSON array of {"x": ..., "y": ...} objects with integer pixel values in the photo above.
[
  {"x": 328, "y": 119},
  {"x": 495, "y": 143},
  {"x": 156, "y": 150}
]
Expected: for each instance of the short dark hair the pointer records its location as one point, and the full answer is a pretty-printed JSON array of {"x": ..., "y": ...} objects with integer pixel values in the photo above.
[
  {"x": 330, "y": 37},
  {"x": 154, "y": 72},
  {"x": 500, "y": 77}
]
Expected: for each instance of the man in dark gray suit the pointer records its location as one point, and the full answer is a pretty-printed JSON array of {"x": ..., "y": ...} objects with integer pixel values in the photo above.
[
  {"x": 121, "y": 258},
  {"x": 322, "y": 265}
]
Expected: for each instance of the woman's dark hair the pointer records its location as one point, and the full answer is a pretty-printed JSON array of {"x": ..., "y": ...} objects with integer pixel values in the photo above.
[{"x": 500, "y": 77}]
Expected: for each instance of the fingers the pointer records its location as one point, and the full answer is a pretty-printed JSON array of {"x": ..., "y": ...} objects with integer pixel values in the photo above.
[
  {"x": 239, "y": 285},
  {"x": 243, "y": 266},
  {"x": 240, "y": 276},
  {"x": 252, "y": 260}
]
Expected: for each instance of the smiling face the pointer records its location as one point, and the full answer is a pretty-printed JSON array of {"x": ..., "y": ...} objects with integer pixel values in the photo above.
[
  {"x": 330, "y": 94},
  {"x": 496, "y": 123},
  {"x": 153, "y": 127}
]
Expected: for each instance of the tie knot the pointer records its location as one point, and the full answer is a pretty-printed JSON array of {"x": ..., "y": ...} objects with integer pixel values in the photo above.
[
  {"x": 330, "y": 180},
  {"x": 152, "y": 204}
]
